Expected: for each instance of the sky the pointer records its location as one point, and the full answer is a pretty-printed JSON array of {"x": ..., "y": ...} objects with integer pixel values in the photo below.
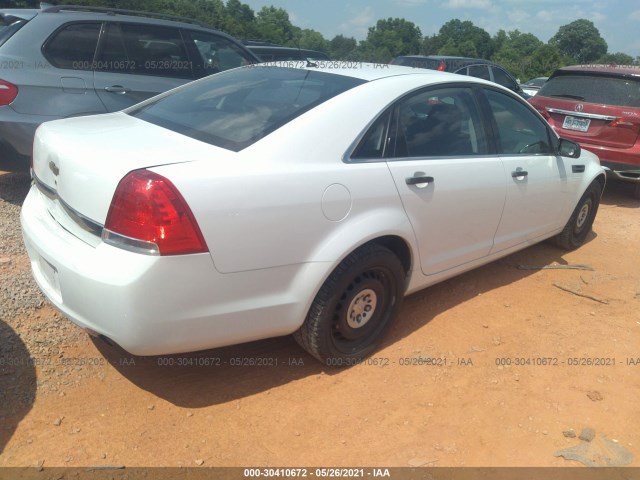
[{"x": 617, "y": 20}]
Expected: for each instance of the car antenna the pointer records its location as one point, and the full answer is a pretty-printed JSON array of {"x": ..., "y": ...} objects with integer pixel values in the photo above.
[{"x": 311, "y": 63}]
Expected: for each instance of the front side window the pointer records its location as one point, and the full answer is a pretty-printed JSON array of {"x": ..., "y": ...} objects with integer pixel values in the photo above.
[
  {"x": 144, "y": 50},
  {"x": 74, "y": 46},
  {"x": 439, "y": 123},
  {"x": 236, "y": 108},
  {"x": 520, "y": 131}
]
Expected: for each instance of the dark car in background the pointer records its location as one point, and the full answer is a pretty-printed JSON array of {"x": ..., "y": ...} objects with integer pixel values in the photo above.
[
  {"x": 474, "y": 67},
  {"x": 68, "y": 61},
  {"x": 272, "y": 52},
  {"x": 597, "y": 106},
  {"x": 531, "y": 87}
]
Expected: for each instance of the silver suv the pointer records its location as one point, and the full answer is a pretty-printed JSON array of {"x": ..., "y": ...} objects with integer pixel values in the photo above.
[{"x": 67, "y": 61}]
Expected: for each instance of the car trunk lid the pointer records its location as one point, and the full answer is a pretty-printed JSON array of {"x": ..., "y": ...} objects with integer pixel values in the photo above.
[{"x": 79, "y": 162}]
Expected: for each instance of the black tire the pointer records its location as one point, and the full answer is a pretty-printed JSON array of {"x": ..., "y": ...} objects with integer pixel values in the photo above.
[
  {"x": 354, "y": 308},
  {"x": 636, "y": 191},
  {"x": 579, "y": 225}
]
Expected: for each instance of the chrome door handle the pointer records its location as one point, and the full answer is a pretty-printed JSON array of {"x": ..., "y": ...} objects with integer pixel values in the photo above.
[{"x": 119, "y": 89}]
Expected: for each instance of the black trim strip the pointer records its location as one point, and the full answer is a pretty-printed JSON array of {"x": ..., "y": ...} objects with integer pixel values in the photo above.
[{"x": 85, "y": 223}]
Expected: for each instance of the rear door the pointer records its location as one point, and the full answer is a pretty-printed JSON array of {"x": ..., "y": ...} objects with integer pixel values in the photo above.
[
  {"x": 451, "y": 188},
  {"x": 138, "y": 61}
]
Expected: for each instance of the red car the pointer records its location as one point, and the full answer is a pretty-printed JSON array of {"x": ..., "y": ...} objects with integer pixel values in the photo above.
[{"x": 597, "y": 106}]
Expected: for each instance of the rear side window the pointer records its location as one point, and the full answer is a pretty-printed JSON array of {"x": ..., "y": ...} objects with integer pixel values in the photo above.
[
  {"x": 441, "y": 122},
  {"x": 144, "y": 50},
  {"x": 236, "y": 108},
  {"x": 74, "y": 46},
  {"x": 594, "y": 89}
]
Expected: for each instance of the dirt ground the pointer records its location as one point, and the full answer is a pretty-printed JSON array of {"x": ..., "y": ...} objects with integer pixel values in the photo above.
[{"x": 522, "y": 356}]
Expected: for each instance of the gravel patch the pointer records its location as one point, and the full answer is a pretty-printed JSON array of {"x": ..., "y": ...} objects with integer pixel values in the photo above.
[
  {"x": 19, "y": 293},
  {"x": 32, "y": 333}
]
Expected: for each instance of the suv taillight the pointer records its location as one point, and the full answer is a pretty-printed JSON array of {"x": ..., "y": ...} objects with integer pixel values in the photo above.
[
  {"x": 148, "y": 214},
  {"x": 8, "y": 92}
]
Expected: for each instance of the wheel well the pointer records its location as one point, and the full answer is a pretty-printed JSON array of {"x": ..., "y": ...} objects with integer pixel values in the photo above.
[
  {"x": 601, "y": 180},
  {"x": 398, "y": 246}
]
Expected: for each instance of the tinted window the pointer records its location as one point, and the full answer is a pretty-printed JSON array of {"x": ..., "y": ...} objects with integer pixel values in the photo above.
[
  {"x": 74, "y": 46},
  {"x": 144, "y": 50},
  {"x": 442, "y": 122},
  {"x": 520, "y": 131},
  {"x": 479, "y": 71},
  {"x": 236, "y": 108},
  {"x": 594, "y": 89},
  {"x": 217, "y": 53},
  {"x": 503, "y": 78},
  {"x": 373, "y": 143}
]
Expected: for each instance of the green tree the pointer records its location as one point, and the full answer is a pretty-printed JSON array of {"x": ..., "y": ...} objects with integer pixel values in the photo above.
[
  {"x": 580, "y": 40},
  {"x": 431, "y": 45},
  {"x": 545, "y": 59},
  {"x": 390, "y": 38},
  {"x": 240, "y": 20},
  {"x": 617, "y": 58},
  {"x": 273, "y": 24},
  {"x": 516, "y": 53},
  {"x": 453, "y": 34},
  {"x": 342, "y": 48},
  {"x": 313, "y": 40}
]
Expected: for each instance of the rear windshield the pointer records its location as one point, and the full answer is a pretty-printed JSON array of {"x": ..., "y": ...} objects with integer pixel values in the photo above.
[
  {"x": 234, "y": 109},
  {"x": 601, "y": 89},
  {"x": 9, "y": 25}
]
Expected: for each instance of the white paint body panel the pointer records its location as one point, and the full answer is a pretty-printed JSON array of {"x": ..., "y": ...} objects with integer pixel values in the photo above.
[{"x": 278, "y": 217}]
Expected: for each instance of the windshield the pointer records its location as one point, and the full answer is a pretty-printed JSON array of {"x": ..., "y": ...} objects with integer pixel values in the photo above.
[
  {"x": 234, "y": 109},
  {"x": 600, "y": 89}
]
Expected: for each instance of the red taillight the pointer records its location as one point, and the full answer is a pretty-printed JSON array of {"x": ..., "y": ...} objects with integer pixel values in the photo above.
[
  {"x": 8, "y": 92},
  {"x": 442, "y": 67},
  {"x": 622, "y": 122},
  {"x": 148, "y": 207}
]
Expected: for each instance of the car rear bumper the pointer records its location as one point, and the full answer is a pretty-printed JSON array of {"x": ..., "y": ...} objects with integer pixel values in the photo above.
[
  {"x": 153, "y": 305},
  {"x": 626, "y": 173}
]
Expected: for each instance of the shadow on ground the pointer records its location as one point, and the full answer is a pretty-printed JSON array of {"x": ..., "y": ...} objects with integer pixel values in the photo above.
[{"x": 17, "y": 382}]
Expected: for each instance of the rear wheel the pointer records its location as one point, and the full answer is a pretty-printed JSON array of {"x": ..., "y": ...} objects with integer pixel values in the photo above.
[
  {"x": 579, "y": 225},
  {"x": 354, "y": 308}
]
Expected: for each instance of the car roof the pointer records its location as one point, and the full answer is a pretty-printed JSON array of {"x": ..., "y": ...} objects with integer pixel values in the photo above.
[
  {"x": 465, "y": 60},
  {"x": 82, "y": 12},
  {"x": 376, "y": 71},
  {"x": 618, "y": 70}
]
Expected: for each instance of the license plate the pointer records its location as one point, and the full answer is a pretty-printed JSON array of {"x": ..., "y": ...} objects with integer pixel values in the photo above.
[
  {"x": 50, "y": 274},
  {"x": 573, "y": 123}
]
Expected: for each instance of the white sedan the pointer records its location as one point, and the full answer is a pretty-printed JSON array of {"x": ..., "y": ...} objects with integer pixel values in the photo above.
[{"x": 266, "y": 201}]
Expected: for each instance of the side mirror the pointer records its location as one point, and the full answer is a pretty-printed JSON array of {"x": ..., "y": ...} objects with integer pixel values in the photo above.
[{"x": 567, "y": 148}]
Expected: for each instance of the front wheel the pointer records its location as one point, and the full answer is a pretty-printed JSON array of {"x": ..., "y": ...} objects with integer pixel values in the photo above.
[
  {"x": 579, "y": 225},
  {"x": 354, "y": 308}
]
